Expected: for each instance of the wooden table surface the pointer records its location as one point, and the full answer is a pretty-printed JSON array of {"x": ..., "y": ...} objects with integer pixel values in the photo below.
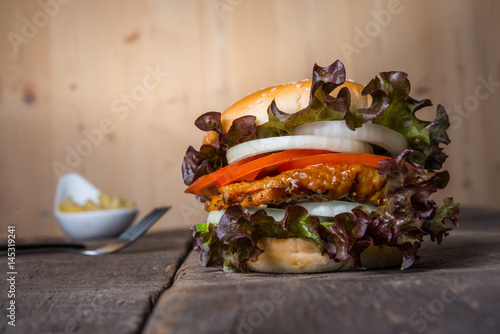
[{"x": 156, "y": 286}]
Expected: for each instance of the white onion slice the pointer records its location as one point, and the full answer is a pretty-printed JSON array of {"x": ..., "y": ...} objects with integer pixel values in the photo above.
[
  {"x": 267, "y": 145},
  {"x": 321, "y": 209},
  {"x": 332, "y": 208},
  {"x": 371, "y": 133},
  {"x": 215, "y": 216}
]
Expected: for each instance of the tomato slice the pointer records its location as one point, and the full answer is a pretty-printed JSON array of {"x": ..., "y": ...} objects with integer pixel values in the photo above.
[
  {"x": 333, "y": 158},
  {"x": 205, "y": 185},
  {"x": 245, "y": 170}
]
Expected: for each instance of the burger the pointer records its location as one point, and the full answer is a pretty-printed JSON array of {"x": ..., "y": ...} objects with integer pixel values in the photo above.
[{"x": 320, "y": 175}]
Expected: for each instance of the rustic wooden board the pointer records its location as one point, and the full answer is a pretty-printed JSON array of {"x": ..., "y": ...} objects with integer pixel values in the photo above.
[
  {"x": 69, "y": 293},
  {"x": 454, "y": 288}
]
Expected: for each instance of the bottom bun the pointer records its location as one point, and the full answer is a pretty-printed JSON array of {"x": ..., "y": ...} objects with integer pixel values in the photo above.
[{"x": 297, "y": 256}]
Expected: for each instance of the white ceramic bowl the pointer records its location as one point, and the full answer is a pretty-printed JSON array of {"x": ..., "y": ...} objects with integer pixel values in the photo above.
[{"x": 91, "y": 225}]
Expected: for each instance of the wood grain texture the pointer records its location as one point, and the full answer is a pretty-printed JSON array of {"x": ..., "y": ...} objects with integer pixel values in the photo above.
[
  {"x": 454, "y": 288},
  {"x": 91, "y": 62},
  {"x": 69, "y": 293}
]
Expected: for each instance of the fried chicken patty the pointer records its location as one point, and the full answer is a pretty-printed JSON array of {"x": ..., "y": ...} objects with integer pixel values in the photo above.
[{"x": 325, "y": 182}]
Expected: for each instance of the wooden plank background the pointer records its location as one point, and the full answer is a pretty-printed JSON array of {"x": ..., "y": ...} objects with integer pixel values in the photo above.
[{"x": 121, "y": 82}]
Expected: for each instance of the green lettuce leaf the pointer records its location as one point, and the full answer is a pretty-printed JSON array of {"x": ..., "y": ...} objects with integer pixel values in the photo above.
[
  {"x": 423, "y": 137},
  {"x": 212, "y": 157}
]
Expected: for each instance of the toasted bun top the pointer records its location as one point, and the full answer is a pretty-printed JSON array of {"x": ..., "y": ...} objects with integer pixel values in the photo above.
[{"x": 289, "y": 98}]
